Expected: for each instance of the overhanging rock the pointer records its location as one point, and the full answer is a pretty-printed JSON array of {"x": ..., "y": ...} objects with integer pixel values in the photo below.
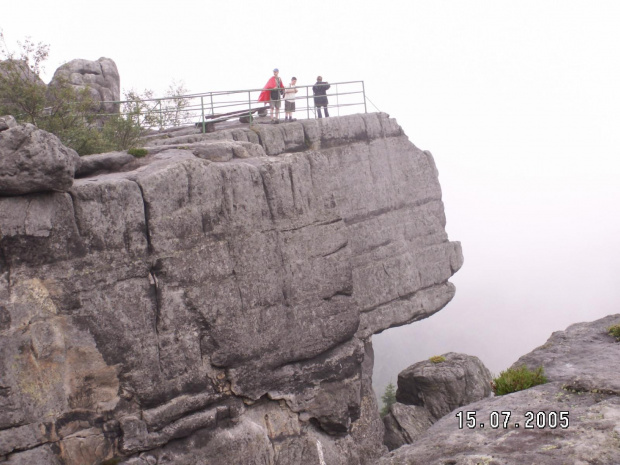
[{"x": 146, "y": 312}]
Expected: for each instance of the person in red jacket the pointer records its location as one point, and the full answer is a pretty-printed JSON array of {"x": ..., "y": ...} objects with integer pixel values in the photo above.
[{"x": 271, "y": 93}]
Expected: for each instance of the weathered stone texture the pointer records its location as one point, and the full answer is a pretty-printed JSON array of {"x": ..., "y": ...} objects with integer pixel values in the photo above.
[
  {"x": 100, "y": 78},
  {"x": 441, "y": 387},
  {"x": 429, "y": 390},
  {"x": 580, "y": 364},
  {"x": 220, "y": 301},
  {"x": 33, "y": 160},
  {"x": 404, "y": 423},
  {"x": 102, "y": 163}
]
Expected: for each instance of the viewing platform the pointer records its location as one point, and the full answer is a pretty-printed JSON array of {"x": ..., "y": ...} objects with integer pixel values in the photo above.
[{"x": 205, "y": 110}]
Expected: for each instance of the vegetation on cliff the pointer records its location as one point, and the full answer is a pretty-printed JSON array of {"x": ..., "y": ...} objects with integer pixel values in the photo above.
[
  {"x": 518, "y": 379},
  {"x": 71, "y": 112},
  {"x": 388, "y": 398}
]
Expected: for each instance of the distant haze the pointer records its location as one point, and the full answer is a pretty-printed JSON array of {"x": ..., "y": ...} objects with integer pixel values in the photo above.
[{"x": 519, "y": 102}]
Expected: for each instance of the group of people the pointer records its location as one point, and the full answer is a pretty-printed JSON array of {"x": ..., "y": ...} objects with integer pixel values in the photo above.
[{"x": 274, "y": 90}]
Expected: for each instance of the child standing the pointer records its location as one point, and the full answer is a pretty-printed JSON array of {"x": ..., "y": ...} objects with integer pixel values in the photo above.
[{"x": 289, "y": 100}]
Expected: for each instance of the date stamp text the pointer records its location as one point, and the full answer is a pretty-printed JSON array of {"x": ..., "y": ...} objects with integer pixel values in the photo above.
[{"x": 505, "y": 419}]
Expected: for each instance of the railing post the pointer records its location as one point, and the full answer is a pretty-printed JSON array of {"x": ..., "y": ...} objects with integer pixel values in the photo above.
[
  {"x": 212, "y": 112},
  {"x": 250, "y": 107},
  {"x": 337, "y": 99},
  {"x": 161, "y": 117},
  {"x": 307, "y": 103},
  {"x": 202, "y": 108},
  {"x": 364, "y": 92}
]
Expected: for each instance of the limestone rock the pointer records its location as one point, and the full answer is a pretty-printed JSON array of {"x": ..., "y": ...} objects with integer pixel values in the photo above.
[
  {"x": 564, "y": 354},
  {"x": 575, "y": 418},
  {"x": 404, "y": 423},
  {"x": 185, "y": 307},
  {"x": 368, "y": 431},
  {"x": 220, "y": 151},
  {"x": 100, "y": 77},
  {"x": 33, "y": 160},
  {"x": 102, "y": 163},
  {"x": 442, "y": 387}
]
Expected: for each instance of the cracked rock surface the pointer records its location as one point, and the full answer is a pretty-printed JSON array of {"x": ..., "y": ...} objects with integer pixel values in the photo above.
[
  {"x": 166, "y": 308},
  {"x": 573, "y": 419}
]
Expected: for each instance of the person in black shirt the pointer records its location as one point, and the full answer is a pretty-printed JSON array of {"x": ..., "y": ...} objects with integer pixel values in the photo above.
[{"x": 320, "y": 99}]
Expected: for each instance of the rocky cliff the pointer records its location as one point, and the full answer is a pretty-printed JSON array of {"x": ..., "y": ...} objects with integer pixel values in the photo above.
[
  {"x": 573, "y": 419},
  {"x": 214, "y": 302}
]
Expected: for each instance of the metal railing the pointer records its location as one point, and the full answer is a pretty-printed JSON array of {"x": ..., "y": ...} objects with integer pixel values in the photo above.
[{"x": 207, "y": 108}]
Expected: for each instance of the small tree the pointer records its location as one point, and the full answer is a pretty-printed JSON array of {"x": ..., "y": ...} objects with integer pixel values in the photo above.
[
  {"x": 388, "y": 398},
  {"x": 22, "y": 92},
  {"x": 149, "y": 112},
  {"x": 177, "y": 107}
]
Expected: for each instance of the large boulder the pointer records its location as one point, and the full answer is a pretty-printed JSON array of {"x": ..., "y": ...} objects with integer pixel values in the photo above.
[
  {"x": 33, "y": 160},
  {"x": 100, "y": 77},
  {"x": 574, "y": 418},
  {"x": 443, "y": 386}
]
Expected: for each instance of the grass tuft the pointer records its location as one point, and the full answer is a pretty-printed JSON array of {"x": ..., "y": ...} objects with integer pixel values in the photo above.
[
  {"x": 518, "y": 379},
  {"x": 615, "y": 331},
  {"x": 437, "y": 358},
  {"x": 138, "y": 153}
]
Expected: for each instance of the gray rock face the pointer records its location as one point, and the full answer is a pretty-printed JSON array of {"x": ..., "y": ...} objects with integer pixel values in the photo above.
[
  {"x": 404, "y": 423},
  {"x": 442, "y": 387},
  {"x": 575, "y": 418},
  {"x": 581, "y": 357},
  {"x": 190, "y": 308},
  {"x": 102, "y": 163},
  {"x": 100, "y": 77},
  {"x": 33, "y": 160}
]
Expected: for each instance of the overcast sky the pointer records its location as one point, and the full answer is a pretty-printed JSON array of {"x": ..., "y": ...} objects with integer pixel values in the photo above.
[{"x": 519, "y": 102}]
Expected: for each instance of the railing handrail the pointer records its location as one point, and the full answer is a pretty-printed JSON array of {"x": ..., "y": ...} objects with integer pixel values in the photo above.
[
  {"x": 224, "y": 92},
  {"x": 180, "y": 110}
]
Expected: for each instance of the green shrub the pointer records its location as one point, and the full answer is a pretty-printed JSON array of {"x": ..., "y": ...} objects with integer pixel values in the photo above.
[
  {"x": 615, "y": 331},
  {"x": 121, "y": 132},
  {"x": 138, "y": 153},
  {"x": 518, "y": 379},
  {"x": 437, "y": 358}
]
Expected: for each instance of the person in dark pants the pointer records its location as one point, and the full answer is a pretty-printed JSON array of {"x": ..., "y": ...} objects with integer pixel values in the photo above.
[{"x": 320, "y": 99}]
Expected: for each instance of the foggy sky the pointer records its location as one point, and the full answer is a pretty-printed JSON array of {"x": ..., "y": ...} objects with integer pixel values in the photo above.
[{"x": 519, "y": 102}]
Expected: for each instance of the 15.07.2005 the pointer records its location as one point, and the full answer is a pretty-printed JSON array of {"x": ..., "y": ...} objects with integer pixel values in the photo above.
[{"x": 530, "y": 420}]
